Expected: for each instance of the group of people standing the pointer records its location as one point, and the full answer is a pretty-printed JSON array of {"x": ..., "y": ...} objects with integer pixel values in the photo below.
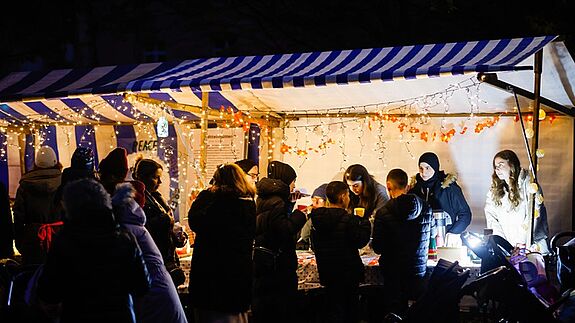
[
  {"x": 104, "y": 240},
  {"x": 244, "y": 257},
  {"x": 118, "y": 236}
]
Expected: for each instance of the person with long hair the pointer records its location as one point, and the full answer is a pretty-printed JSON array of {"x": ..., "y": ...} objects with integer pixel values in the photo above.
[
  {"x": 441, "y": 192},
  {"x": 224, "y": 220},
  {"x": 508, "y": 204},
  {"x": 367, "y": 192},
  {"x": 159, "y": 217}
]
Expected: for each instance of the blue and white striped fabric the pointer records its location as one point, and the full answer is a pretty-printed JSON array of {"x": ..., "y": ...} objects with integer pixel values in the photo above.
[{"x": 274, "y": 71}]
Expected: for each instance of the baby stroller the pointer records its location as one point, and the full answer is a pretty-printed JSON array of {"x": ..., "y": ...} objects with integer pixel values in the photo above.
[
  {"x": 512, "y": 290},
  {"x": 440, "y": 301},
  {"x": 14, "y": 284}
]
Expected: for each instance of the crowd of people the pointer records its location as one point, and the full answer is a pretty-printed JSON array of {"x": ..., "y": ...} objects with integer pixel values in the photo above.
[{"x": 111, "y": 237}]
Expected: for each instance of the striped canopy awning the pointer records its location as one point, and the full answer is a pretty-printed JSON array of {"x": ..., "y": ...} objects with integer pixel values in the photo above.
[{"x": 280, "y": 83}]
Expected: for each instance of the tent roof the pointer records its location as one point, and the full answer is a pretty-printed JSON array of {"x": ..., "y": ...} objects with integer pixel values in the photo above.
[{"x": 292, "y": 82}]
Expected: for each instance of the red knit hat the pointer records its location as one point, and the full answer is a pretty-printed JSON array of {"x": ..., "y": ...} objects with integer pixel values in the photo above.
[{"x": 116, "y": 163}]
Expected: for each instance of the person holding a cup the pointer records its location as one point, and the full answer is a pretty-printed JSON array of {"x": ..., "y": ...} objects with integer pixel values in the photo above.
[{"x": 367, "y": 192}]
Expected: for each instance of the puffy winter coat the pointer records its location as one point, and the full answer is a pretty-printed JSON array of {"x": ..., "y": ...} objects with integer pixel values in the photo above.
[
  {"x": 221, "y": 269},
  {"x": 277, "y": 225},
  {"x": 443, "y": 193},
  {"x": 161, "y": 303},
  {"x": 401, "y": 233},
  {"x": 93, "y": 271},
  {"x": 336, "y": 237},
  {"x": 34, "y": 206}
]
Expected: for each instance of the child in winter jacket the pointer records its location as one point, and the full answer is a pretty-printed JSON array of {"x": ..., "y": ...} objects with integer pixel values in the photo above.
[{"x": 336, "y": 237}]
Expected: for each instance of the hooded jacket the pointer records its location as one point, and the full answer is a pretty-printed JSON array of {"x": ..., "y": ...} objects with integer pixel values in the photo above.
[
  {"x": 161, "y": 303},
  {"x": 401, "y": 233},
  {"x": 443, "y": 193},
  {"x": 221, "y": 269},
  {"x": 98, "y": 287},
  {"x": 276, "y": 225},
  {"x": 34, "y": 205},
  {"x": 336, "y": 237}
]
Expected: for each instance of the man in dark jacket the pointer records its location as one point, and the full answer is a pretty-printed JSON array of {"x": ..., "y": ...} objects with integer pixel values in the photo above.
[
  {"x": 401, "y": 233},
  {"x": 336, "y": 237},
  {"x": 6, "y": 225},
  {"x": 275, "y": 278}
]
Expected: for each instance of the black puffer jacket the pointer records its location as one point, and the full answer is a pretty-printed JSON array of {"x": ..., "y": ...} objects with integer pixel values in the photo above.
[
  {"x": 401, "y": 232},
  {"x": 92, "y": 270},
  {"x": 221, "y": 274},
  {"x": 336, "y": 237},
  {"x": 276, "y": 225},
  {"x": 443, "y": 193}
]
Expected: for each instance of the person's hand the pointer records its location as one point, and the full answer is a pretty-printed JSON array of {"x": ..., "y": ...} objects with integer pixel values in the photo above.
[{"x": 295, "y": 195}]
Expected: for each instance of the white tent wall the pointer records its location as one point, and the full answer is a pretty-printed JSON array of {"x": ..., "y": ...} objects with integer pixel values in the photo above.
[{"x": 468, "y": 155}]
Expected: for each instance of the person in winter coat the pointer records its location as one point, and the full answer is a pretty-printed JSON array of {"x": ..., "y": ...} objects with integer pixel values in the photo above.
[
  {"x": 367, "y": 192},
  {"x": 161, "y": 303},
  {"x": 159, "y": 217},
  {"x": 318, "y": 199},
  {"x": 81, "y": 166},
  {"x": 401, "y": 234},
  {"x": 508, "y": 204},
  {"x": 93, "y": 268},
  {"x": 35, "y": 214},
  {"x": 336, "y": 237},
  {"x": 224, "y": 220},
  {"x": 441, "y": 192},
  {"x": 250, "y": 167},
  {"x": 275, "y": 261},
  {"x": 6, "y": 225}
]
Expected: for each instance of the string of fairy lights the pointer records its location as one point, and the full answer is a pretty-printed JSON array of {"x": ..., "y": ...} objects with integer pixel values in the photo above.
[{"x": 332, "y": 126}]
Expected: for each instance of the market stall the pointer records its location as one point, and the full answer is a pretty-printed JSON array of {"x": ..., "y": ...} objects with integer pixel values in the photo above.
[{"x": 319, "y": 111}]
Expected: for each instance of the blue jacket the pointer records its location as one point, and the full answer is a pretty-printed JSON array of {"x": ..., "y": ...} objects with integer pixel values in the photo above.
[{"x": 161, "y": 303}]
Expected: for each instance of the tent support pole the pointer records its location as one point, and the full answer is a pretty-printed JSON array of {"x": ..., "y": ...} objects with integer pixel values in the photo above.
[
  {"x": 535, "y": 141},
  {"x": 204, "y": 138}
]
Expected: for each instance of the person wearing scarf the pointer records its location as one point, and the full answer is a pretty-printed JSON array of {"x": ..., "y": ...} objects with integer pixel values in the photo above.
[{"x": 441, "y": 192}]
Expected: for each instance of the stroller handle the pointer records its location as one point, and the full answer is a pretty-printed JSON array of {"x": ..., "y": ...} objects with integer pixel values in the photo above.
[{"x": 558, "y": 236}]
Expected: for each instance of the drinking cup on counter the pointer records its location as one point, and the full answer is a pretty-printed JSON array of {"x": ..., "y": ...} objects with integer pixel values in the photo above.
[{"x": 359, "y": 211}]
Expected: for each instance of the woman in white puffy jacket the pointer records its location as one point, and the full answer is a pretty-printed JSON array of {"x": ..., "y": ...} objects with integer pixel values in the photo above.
[{"x": 508, "y": 204}]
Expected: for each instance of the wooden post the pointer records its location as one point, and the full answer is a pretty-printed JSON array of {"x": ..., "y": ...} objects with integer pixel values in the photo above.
[{"x": 204, "y": 138}]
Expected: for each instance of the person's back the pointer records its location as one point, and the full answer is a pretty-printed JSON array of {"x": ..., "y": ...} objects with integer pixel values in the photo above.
[
  {"x": 93, "y": 268},
  {"x": 402, "y": 229},
  {"x": 336, "y": 237},
  {"x": 34, "y": 206}
]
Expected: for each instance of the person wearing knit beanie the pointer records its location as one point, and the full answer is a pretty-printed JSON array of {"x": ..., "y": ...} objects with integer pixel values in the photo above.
[
  {"x": 45, "y": 157},
  {"x": 83, "y": 158},
  {"x": 281, "y": 171},
  {"x": 116, "y": 163},
  {"x": 113, "y": 169}
]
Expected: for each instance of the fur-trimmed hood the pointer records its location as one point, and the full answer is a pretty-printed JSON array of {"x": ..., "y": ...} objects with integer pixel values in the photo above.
[{"x": 449, "y": 179}]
